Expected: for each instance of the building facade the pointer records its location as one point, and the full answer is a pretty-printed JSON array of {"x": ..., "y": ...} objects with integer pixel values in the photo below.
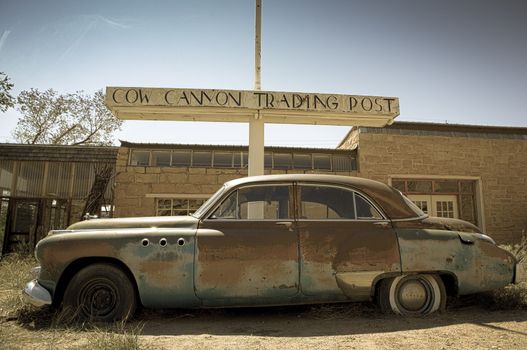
[
  {"x": 160, "y": 179},
  {"x": 44, "y": 187},
  {"x": 476, "y": 173}
]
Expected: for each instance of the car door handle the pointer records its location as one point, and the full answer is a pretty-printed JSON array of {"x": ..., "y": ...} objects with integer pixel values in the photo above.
[{"x": 288, "y": 224}]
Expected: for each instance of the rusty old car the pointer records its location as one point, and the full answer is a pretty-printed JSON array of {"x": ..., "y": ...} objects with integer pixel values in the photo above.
[{"x": 271, "y": 240}]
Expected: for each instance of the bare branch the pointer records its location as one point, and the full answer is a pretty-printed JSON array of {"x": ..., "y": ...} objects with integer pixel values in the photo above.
[{"x": 57, "y": 139}]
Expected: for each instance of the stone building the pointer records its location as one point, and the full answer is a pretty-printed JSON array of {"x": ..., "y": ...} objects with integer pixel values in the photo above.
[
  {"x": 44, "y": 187},
  {"x": 476, "y": 173},
  {"x": 162, "y": 179}
]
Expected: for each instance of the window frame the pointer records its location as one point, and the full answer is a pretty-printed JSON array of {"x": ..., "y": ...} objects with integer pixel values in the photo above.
[
  {"x": 294, "y": 202},
  {"x": 219, "y": 202},
  {"x": 172, "y": 210},
  {"x": 355, "y": 192}
]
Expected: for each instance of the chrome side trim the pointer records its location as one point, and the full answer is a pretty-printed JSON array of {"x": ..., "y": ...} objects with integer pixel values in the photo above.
[{"x": 36, "y": 295}]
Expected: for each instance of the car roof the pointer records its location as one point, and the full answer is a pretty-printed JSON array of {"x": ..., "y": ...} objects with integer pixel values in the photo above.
[{"x": 388, "y": 198}]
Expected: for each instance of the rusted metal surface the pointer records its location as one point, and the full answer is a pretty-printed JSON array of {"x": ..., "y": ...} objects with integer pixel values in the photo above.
[
  {"x": 206, "y": 261},
  {"x": 140, "y": 222},
  {"x": 439, "y": 224},
  {"x": 163, "y": 274},
  {"x": 474, "y": 260},
  {"x": 348, "y": 246},
  {"x": 249, "y": 260}
]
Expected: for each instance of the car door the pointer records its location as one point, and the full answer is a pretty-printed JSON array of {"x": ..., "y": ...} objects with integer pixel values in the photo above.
[
  {"x": 247, "y": 248},
  {"x": 345, "y": 242}
]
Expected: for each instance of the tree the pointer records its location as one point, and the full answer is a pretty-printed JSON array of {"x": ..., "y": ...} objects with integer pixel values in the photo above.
[
  {"x": 72, "y": 119},
  {"x": 6, "y": 100}
]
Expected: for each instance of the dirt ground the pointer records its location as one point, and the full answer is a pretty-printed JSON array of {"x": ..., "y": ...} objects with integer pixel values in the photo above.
[{"x": 304, "y": 327}]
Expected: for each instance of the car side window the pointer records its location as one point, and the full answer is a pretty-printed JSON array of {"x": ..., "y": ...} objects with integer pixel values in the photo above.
[
  {"x": 324, "y": 202},
  {"x": 365, "y": 210},
  {"x": 318, "y": 202},
  {"x": 265, "y": 202}
]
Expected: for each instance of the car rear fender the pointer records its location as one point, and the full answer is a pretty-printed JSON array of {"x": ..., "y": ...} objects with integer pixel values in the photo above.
[{"x": 477, "y": 264}]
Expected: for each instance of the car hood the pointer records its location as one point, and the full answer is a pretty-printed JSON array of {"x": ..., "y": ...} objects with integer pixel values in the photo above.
[{"x": 139, "y": 222}]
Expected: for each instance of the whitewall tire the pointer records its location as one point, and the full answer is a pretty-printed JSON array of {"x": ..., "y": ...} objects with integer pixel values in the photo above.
[{"x": 420, "y": 294}]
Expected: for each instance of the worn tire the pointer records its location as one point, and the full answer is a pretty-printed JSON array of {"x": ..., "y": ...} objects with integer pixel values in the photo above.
[
  {"x": 416, "y": 295},
  {"x": 100, "y": 293}
]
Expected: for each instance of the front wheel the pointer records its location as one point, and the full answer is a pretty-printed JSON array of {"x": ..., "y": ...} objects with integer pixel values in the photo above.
[
  {"x": 412, "y": 294},
  {"x": 100, "y": 293}
]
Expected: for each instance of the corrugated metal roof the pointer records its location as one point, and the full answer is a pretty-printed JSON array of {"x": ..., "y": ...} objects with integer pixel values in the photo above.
[
  {"x": 230, "y": 147},
  {"x": 12, "y": 151}
]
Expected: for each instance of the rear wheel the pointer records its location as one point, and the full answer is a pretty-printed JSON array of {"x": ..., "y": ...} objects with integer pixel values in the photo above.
[
  {"x": 412, "y": 295},
  {"x": 100, "y": 293}
]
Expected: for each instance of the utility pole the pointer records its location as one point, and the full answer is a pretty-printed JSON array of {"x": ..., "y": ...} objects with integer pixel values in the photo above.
[{"x": 256, "y": 122}]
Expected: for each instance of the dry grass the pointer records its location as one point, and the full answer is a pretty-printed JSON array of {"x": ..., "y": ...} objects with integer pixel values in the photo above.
[
  {"x": 14, "y": 274},
  {"x": 46, "y": 328}
]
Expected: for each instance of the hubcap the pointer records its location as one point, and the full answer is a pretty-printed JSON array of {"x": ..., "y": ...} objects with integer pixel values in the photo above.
[
  {"x": 99, "y": 297},
  {"x": 414, "y": 295}
]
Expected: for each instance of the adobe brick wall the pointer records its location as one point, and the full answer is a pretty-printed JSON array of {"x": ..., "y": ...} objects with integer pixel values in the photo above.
[
  {"x": 133, "y": 183},
  {"x": 501, "y": 164}
]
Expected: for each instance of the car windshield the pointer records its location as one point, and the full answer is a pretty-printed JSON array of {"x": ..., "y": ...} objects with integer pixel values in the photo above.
[
  {"x": 198, "y": 213},
  {"x": 413, "y": 206}
]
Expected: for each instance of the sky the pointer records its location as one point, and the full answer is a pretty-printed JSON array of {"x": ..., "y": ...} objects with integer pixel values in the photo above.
[{"x": 449, "y": 61}]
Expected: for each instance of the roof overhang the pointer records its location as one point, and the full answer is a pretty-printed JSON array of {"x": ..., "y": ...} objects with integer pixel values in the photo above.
[{"x": 206, "y": 105}]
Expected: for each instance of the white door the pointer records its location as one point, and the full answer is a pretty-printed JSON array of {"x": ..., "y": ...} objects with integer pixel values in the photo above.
[{"x": 444, "y": 206}]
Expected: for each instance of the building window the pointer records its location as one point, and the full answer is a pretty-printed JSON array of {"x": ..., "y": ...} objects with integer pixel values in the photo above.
[
  {"x": 177, "y": 206},
  {"x": 202, "y": 158},
  {"x": 239, "y": 159},
  {"x": 282, "y": 161},
  {"x": 423, "y": 205},
  {"x": 321, "y": 162},
  {"x": 302, "y": 161},
  {"x": 223, "y": 159},
  {"x": 442, "y": 198},
  {"x": 181, "y": 158},
  {"x": 445, "y": 208},
  {"x": 161, "y": 158},
  {"x": 140, "y": 158},
  {"x": 268, "y": 160},
  {"x": 342, "y": 163}
]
